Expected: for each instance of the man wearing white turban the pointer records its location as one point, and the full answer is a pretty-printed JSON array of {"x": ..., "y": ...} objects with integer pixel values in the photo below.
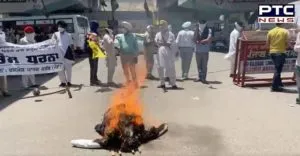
[
  {"x": 128, "y": 52},
  {"x": 186, "y": 47},
  {"x": 150, "y": 49},
  {"x": 165, "y": 39}
]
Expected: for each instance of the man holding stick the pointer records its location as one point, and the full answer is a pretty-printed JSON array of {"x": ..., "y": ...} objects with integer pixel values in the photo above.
[{"x": 64, "y": 40}]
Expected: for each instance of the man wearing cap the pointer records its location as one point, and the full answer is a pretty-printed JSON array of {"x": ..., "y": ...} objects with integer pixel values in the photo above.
[
  {"x": 186, "y": 46},
  {"x": 150, "y": 49},
  {"x": 234, "y": 36},
  {"x": 202, "y": 37},
  {"x": 166, "y": 57},
  {"x": 111, "y": 59},
  {"x": 64, "y": 40},
  {"x": 28, "y": 39},
  {"x": 128, "y": 52},
  {"x": 3, "y": 79}
]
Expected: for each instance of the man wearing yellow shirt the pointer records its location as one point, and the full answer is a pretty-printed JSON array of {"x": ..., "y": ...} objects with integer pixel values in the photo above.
[
  {"x": 95, "y": 54},
  {"x": 277, "y": 41}
]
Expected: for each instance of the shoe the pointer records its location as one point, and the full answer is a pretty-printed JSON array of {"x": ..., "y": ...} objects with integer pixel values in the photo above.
[
  {"x": 150, "y": 77},
  {"x": 69, "y": 84},
  {"x": 63, "y": 85},
  {"x": 184, "y": 78},
  {"x": 298, "y": 101},
  {"x": 161, "y": 86},
  {"x": 111, "y": 84},
  {"x": 34, "y": 86},
  {"x": 174, "y": 87},
  {"x": 204, "y": 82},
  {"x": 198, "y": 80},
  {"x": 27, "y": 88},
  {"x": 231, "y": 75},
  {"x": 277, "y": 89},
  {"x": 96, "y": 83},
  {"x": 5, "y": 94},
  {"x": 162, "y": 129}
]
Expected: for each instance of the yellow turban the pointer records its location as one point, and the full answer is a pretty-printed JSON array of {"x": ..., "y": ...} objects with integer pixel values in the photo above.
[{"x": 163, "y": 22}]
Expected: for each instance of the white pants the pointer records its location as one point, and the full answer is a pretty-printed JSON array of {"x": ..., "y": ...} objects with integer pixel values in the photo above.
[
  {"x": 111, "y": 63},
  {"x": 65, "y": 75},
  {"x": 3, "y": 84},
  {"x": 166, "y": 65},
  {"x": 232, "y": 64},
  {"x": 27, "y": 79}
]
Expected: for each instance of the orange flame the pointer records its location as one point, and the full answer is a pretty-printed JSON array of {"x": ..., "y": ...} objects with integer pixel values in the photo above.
[{"x": 127, "y": 101}]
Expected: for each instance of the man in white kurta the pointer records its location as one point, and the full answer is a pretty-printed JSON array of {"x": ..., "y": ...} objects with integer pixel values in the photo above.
[
  {"x": 231, "y": 55},
  {"x": 186, "y": 46},
  {"x": 111, "y": 59},
  {"x": 64, "y": 41},
  {"x": 166, "y": 57},
  {"x": 28, "y": 39},
  {"x": 297, "y": 72},
  {"x": 3, "y": 79}
]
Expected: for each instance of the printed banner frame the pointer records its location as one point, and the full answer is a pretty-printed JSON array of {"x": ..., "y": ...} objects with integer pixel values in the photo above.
[{"x": 32, "y": 59}]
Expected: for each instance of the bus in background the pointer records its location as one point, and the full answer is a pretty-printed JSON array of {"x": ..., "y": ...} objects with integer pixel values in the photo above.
[{"x": 78, "y": 27}]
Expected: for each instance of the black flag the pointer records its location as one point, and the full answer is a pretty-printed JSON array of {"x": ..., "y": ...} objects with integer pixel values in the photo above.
[
  {"x": 147, "y": 10},
  {"x": 114, "y": 5},
  {"x": 103, "y": 3}
]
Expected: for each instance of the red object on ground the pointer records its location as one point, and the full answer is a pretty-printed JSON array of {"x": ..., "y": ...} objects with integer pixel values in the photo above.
[{"x": 249, "y": 56}]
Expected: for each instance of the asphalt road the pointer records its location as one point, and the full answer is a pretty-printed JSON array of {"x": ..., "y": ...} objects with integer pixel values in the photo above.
[{"x": 219, "y": 119}]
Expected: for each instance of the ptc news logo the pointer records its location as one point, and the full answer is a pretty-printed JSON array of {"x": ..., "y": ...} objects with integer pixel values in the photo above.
[{"x": 276, "y": 13}]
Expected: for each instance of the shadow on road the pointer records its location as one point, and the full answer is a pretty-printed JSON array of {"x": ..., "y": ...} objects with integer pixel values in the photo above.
[
  {"x": 189, "y": 139},
  {"x": 214, "y": 82},
  {"x": 15, "y": 85}
]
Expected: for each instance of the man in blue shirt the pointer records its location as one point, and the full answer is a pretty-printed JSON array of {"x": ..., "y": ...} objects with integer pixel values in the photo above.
[
  {"x": 202, "y": 37},
  {"x": 128, "y": 52}
]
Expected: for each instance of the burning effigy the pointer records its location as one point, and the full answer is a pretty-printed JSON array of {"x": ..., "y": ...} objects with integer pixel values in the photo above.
[{"x": 123, "y": 127}]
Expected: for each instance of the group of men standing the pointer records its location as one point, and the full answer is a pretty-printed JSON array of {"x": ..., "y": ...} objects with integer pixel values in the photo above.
[
  {"x": 163, "y": 43},
  {"x": 62, "y": 38},
  {"x": 168, "y": 47}
]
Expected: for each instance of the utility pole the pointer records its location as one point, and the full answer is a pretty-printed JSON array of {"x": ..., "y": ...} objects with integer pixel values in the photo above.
[{"x": 45, "y": 9}]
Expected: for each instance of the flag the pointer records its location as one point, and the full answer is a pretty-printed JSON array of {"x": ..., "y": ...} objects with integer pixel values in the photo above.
[
  {"x": 102, "y": 3},
  {"x": 114, "y": 5},
  {"x": 147, "y": 10}
]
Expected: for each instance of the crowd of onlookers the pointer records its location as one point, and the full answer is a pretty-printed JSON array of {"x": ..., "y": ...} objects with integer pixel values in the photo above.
[
  {"x": 14, "y": 34},
  {"x": 160, "y": 44}
]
